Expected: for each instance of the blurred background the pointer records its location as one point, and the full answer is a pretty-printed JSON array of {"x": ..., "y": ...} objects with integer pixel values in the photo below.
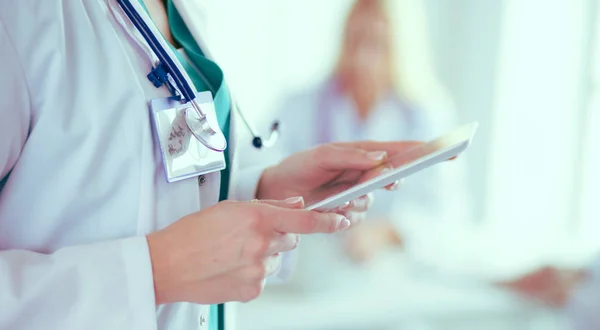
[{"x": 499, "y": 239}]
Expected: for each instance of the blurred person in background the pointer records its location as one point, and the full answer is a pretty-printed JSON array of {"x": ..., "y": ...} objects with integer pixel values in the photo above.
[{"x": 382, "y": 88}]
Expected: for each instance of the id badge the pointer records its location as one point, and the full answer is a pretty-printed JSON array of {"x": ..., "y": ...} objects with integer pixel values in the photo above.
[{"x": 182, "y": 154}]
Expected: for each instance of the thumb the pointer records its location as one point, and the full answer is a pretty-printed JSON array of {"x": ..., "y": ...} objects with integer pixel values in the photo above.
[{"x": 288, "y": 203}]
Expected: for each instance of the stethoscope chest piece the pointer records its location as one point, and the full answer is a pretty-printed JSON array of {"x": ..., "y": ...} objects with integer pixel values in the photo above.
[{"x": 201, "y": 126}]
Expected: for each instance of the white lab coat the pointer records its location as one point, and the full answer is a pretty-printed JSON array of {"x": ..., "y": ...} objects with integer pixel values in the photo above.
[{"x": 86, "y": 182}]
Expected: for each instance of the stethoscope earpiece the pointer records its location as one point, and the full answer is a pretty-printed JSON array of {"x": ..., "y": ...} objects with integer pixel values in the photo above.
[{"x": 275, "y": 126}]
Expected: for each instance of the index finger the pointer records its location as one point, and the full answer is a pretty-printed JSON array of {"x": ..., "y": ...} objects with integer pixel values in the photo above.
[{"x": 305, "y": 222}]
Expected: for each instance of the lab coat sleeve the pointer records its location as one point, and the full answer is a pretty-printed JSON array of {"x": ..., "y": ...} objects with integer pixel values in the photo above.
[
  {"x": 249, "y": 162},
  {"x": 101, "y": 286}
]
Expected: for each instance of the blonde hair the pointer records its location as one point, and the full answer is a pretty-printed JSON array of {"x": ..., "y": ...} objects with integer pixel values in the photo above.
[{"x": 412, "y": 73}]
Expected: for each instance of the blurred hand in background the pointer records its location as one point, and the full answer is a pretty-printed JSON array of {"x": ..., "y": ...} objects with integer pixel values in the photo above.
[
  {"x": 368, "y": 240},
  {"x": 550, "y": 285}
]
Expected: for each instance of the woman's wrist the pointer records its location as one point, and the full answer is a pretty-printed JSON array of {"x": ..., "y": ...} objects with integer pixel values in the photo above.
[
  {"x": 157, "y": 259},
  {"x": 164, "y": 268}
]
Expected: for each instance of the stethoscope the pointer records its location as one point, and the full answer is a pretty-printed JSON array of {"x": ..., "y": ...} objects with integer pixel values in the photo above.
[{"x": 167, "y": 73}]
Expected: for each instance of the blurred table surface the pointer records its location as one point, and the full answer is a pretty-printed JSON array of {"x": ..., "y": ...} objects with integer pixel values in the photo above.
[{"x": 387, "y": 292}]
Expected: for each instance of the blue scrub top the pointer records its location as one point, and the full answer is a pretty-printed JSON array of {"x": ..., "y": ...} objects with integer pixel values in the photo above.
[{"x": 207, "y": 77}]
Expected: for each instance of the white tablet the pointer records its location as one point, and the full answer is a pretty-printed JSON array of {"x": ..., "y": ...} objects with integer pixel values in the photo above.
[{"x": 402, "y": 165}]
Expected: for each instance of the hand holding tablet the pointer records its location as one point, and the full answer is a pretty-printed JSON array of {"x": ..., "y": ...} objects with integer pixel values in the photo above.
[{"x": 402, "y": 165}]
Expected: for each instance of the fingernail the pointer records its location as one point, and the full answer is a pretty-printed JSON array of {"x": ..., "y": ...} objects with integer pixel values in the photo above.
[
  {"x": 344, "y": 206},
  {"x": 396, "y": 184},
  {"x": 360, "y": 203},
  {"x": 355, "y": 220},
  {"x": 294, "y": 200},
  {"x": 376, "y": 155},
  {"x": 343, "y": 224}
]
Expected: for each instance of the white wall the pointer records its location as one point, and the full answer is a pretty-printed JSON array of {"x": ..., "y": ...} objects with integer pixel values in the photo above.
[
  {"x": 269, "y": 48},
  {"x": 465, "y": 36}
]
